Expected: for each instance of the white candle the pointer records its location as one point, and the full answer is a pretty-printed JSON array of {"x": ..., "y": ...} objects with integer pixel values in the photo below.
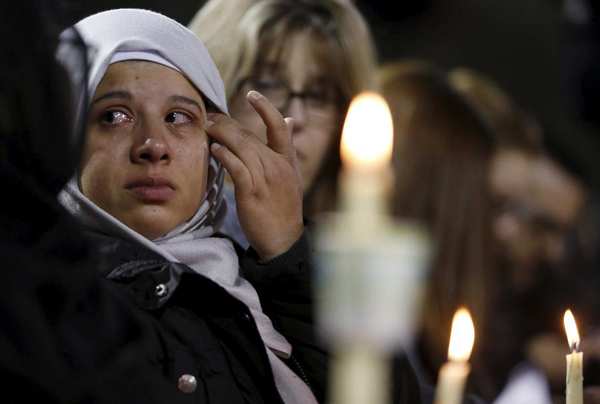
[
  {"x": 574, "y": 362},
  {"x": 360, "y": 371},
  {"x": 453, "y": 374}
]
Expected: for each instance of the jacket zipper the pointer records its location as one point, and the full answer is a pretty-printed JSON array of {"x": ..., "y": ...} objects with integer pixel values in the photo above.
[{"x": 300, "y": 371}]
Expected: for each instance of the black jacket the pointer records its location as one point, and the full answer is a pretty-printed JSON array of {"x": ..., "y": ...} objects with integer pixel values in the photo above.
[{"x": 200, "y": 329}]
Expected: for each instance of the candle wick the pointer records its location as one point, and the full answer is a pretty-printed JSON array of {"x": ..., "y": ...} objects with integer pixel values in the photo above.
[{"x": 574, "y": 347}]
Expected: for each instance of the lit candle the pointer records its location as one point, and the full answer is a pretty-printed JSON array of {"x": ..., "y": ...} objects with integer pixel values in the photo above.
[
  {"x": 366, "y": 152},
  {"x": 368, "y": 133},
  {"x": 360, "y": 370},
  {"x": 574, "y": 362},
  {"x": 371, "y": 269},
  {"x": 453, "y": 374}
]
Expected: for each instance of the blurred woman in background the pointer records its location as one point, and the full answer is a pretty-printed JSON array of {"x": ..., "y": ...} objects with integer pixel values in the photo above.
[
  {"x": 537, "y": 204},
  {"x": 309, "y": 58},
  {"x": 442, "y": 152}
]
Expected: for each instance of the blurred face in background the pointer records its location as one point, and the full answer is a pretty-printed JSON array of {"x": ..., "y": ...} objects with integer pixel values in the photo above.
[
  {"x": 146, "y": 157},
  {"x": 537, "y": 204},
  {"x": 299, "y": 85},
  {"x": 559, "y": 199}
]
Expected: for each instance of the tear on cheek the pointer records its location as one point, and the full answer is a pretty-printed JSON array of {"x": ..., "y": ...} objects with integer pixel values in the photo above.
[{"x": 205, "y": 149}]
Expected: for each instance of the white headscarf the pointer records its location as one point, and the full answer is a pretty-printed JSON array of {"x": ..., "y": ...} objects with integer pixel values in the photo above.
[{"x": 131, "y": 34}]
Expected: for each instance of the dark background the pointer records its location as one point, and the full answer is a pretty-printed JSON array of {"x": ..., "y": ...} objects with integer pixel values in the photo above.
[{"x": 547, "y": 63}]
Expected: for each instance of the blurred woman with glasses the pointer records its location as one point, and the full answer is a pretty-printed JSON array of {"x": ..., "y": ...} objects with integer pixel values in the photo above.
[{"x": 309, "y": 58}]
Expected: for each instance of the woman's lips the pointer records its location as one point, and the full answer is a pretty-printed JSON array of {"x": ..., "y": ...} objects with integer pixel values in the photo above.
[{"x": 151, "y": 189}]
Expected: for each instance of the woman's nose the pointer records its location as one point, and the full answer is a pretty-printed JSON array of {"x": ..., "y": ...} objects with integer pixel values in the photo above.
[
  {"x": 151, "y": 146},
  {"x": 297, "y": 109}
]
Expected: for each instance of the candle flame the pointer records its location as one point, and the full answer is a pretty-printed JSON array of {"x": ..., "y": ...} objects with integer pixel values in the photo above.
[
  {"x": 368, "y": 132},
  {"x": 571, "y": 328},
  {"x": 462, "y": 336}
]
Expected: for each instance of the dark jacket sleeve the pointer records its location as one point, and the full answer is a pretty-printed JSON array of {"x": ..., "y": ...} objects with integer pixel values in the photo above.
[{"x": 285, "y": 287}]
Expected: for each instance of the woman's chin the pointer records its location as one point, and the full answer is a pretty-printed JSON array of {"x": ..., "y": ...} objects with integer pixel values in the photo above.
[
  {"x": 152, "y": 232},
  {"x": 152, "y": 226}
]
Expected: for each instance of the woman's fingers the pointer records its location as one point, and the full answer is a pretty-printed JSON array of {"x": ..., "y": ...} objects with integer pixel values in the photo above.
[
  {"x": 235, "y": 167},
  {"x": 268, "y": 188},
  {"x": 279, "y": 137},
  {"x": 290, "y": 122},
  {"x": 240, "y": 142},
  {"x": 224, "y": 120}
]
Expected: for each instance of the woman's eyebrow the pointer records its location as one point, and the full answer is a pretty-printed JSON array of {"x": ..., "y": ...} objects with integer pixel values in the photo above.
[
  {"x": 114, "y": 94},
  {"x": 185, "y": 100}
]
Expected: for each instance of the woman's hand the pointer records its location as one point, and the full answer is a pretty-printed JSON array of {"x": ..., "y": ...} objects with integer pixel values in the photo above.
[{"x": 268, "y": 186}]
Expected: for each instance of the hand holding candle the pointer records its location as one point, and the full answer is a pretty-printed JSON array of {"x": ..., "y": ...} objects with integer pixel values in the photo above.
[
  {"x": 574, "y": 362},
  {"x": 453, "y": 374}
]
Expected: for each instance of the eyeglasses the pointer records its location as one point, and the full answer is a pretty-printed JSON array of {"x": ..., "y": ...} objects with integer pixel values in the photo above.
[
  {"x": 537, "y": 222},
  {"x": 321, "y": 103}
]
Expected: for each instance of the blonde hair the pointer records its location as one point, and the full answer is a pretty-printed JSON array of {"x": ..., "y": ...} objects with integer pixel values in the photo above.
[{"x": 243, "y": 35}]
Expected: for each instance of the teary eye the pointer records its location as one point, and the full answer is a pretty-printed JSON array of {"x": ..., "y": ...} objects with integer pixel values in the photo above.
[
  {"x": 113, "y": 117},
  {"x": 177, "y": 118}
]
